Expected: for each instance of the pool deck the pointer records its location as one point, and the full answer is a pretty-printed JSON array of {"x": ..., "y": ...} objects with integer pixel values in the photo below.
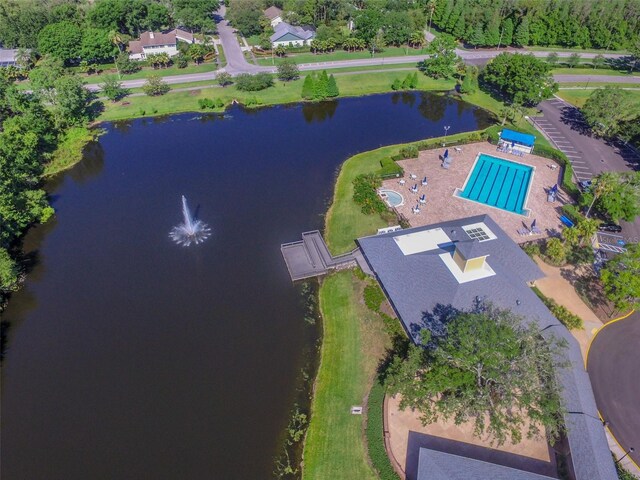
[{"x": 443, "y": 205}]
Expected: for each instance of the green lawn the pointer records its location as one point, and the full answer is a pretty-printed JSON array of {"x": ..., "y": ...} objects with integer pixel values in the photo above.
[
  {"x": 309, "y": 57},
  {"x": 353, "y": 342},
  {"x": 592, "y": 71},
  {"x": 579, "y": 97},
  {"x": 176, "y": 102}
]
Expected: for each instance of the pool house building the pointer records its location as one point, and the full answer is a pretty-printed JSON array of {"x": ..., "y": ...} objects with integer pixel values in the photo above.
[{"x": 520, "y": 142}]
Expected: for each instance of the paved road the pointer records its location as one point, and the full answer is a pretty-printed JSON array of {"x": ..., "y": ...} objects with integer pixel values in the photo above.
[
  {"x": 562, "y": 123},
  {"x": 236, "y": 63},
  {"x": 614, "y": 370}
]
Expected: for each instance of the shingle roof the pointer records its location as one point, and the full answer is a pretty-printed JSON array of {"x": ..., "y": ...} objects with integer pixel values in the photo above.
[
  {"x": 281, "y": 29},
  {"x": 8, "y": 55},
  {"x": 422, "y": 290},
  {"x": 435, "y": 465},
  {"x": 272, "y": 12}
]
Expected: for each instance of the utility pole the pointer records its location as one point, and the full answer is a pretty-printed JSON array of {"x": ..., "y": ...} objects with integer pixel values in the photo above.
[{"x": 500, "y": 41}]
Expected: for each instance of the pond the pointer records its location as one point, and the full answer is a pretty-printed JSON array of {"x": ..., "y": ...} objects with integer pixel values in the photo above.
[{"x": 131, "y": 357}]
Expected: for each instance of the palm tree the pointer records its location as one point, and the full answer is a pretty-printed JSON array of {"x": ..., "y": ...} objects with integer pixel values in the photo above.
[
  {"x": 350, "y": 44},
  {"x": 24, "y": 59},
  {"x": 115, "y": 37},
  {"x": 197, "y": 53},
  {"x": 417, "y": 39}
]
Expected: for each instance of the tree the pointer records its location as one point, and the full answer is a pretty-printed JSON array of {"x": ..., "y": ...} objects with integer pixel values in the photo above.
[
  {"x": 417, "y": 40},
  {"x": 252, "y": 83},
  {"x": 113, "y": 89},
  {"x": 621, "y": 278},
  {"x": 477, "y": 36},
  {"x": 308, "y": 87},
  {"x": 97, "y": 46},
  {"x": 245, "y": 15},
  {"x": 522, "y": 79},
  {"x": 8, "y": 271},
  {"x": 634, "y": 48},
  {"x": 470, "y": 81},
  {"x": 155, "y": 86},
  {"x": 490, "y": 367},
  {"x": 332, "y": 87},
  {"x": 606, "y": 109},
  {"x": 574, "y": 60},
  {"x": 125, "y": 64},
  {"x": 321, "y": 85},
  {"x": 616, "y": 194},
  {"x": 72, "y": 101},
  {"x": 598, "y": 61},
  {"x": 288, "y": 70},
  {"x": 443, "y": 59},
  {"x": 44, "y": 76},
  {"x": 197, "y": 52},
  {"x": 552, "y": 58},
  {"x": 507, "y": 31},
  {"x": 224, "y": 79},
  {"x": 62, "y": 40},
  {"x": 521, "y": 37}
]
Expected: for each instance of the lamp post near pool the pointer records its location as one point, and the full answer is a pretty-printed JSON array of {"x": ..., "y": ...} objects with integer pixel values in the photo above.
[
  {"x": 631, "y": 450},
  {"x": 446, "y": 129}
]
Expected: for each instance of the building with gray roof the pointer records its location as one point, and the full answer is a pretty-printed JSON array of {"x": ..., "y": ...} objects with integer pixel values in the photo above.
[
  {"x": 286, "y": 35},
  {"x": 429, "y": 273},
  {"x": 436, "y": 465}
]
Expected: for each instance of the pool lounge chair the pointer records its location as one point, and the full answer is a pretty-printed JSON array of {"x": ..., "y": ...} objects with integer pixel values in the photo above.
[
  {"x": 536, "y": 231},
  {"x": 523, "y": 232}
]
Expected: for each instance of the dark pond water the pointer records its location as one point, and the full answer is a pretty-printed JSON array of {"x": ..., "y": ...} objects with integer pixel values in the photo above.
[{"x": 130, "y": 357}]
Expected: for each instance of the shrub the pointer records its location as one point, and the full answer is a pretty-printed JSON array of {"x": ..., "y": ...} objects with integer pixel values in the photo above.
[
  {"x": 375, "y": 434},
  {"x": 365, "y": 194},
  {"x": 564, "y": 316},
  {"x": 373, "y": 297},
  {"x": 206, "y": 103},
  {"x": 572, "y": 212},
  {"x": 155, "y": 86},
  {"x": 224, "y": 79},
  {"x": 396, "y": 85},
  {"x": 181, "y": 61},
  {"x": 555, "y": 250},
  {"x": 8, "y": 271},
  {"x": 219, "y": 103},
  {"x": 251, "y": 101},
  {"x": 410, "y": 151},
  {"x": 253, "y": 83},
  {"x": 531, "y": 249},
  {"x": 288, "y": 70}
]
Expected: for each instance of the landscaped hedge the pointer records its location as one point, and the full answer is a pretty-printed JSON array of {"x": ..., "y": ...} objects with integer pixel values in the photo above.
[
  {"x": 572, "y": 212},
  {"x": 389, "y": 169},
  {"x": 366, "y": 196},
  {"x": 375, "y": 434},
  {"x": 564, "y": 316}
]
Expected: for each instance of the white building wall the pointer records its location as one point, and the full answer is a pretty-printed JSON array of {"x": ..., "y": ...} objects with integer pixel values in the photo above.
[
  {"x": 296, "y": 43},
  {"x": 171, "y": 50},
  {"x": 276, "y": 21}
]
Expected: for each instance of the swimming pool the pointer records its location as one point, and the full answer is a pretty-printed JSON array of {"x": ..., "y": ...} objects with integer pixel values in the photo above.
[
  {"x": 499, "y": 183},
  {"x": 393, "y": 198}
]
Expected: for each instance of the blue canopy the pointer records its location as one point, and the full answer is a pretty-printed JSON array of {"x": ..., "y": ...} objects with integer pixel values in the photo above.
[{"x": 517, "y": 137}]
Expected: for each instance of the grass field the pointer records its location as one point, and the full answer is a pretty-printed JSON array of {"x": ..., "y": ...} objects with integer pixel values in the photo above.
[
  {"x": 353, "y": 343},
  {"x": 593, "y": 71},
  {"x": 176, "y": 102},
  {"x": 579, "y": 97},
  {"x": 309, "y": 57}
]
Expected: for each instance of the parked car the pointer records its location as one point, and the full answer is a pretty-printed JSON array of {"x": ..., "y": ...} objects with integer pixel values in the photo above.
[
  {"x": 584, "y": 185},
  {"x": 610, "y": 227}
]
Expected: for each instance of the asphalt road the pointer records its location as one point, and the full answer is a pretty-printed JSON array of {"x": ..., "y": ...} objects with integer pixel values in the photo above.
[
  {"x": 562, "y": 123},
  {"x": 563, "y": 78},
  {"x": 614, "y": 369}
]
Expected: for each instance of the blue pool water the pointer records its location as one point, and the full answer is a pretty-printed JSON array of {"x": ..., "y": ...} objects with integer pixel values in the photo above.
[
  {"x": 499, "y": 183},
  {"x": 393, "y": 198}
]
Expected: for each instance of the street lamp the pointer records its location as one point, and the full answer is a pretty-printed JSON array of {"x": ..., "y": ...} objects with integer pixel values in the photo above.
[
  {"x": 631, "y": 450},
  {"x": 446, "y": 129}
]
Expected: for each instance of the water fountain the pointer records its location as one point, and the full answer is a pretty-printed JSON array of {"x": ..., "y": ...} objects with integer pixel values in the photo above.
[{"x": 191, "y": 230}]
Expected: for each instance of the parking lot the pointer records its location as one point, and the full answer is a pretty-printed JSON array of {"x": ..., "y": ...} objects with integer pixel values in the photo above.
[{"x": 562, "y": 124}]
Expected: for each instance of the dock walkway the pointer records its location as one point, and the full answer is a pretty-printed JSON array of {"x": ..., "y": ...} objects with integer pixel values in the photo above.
[{"x": 310, "y": 257}]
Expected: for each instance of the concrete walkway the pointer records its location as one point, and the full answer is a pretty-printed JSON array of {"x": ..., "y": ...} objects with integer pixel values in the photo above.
[{"x": 558, "y": 288}]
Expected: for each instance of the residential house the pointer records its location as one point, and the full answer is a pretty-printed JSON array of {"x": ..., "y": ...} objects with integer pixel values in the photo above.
[
  {"x": 456, "y": 265},
  {"x": 288, "y": 35},
  {"x": 157, "y": 42},
  {"x": 8, "y": 57},
  {"x": 274, "y": 14}
]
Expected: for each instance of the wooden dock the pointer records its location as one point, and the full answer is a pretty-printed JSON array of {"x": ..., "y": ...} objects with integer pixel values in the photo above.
[{"x": 310, "y": 257}]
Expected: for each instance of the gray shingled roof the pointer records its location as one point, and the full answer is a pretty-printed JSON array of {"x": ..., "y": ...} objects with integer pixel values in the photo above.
[
  {"x": 284, "y": 28},
  {"x": 421, "y": 288},
  {"x": 435, "y": 465}
]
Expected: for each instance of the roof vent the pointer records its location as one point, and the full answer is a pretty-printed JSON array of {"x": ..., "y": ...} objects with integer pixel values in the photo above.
[{"x": 151, "y": 35}]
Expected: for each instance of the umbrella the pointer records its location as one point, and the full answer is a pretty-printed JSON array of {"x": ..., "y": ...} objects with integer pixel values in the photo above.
[
  {"x": 533, "y": 224},
  {"x": 424, "y": 181},
  {"x": 554, "y": 189},
  {"x": 446, "y": 153}
]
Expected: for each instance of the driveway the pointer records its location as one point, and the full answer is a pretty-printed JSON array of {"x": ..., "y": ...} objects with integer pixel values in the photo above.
[
  {"x": 236, "y": 63},
  {"x": 563, "y": 124},
  {"x": 614, "y": 369}
]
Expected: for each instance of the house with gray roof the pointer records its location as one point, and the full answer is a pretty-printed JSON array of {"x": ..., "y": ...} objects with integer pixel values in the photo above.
[
  {"x": 274, "y": 14},
  {"x": 288, "y": 35},
  {"x": 8, "y": 57},
  {"x": 157, "y": 42},
  {"x": 431, "y": 272}
]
